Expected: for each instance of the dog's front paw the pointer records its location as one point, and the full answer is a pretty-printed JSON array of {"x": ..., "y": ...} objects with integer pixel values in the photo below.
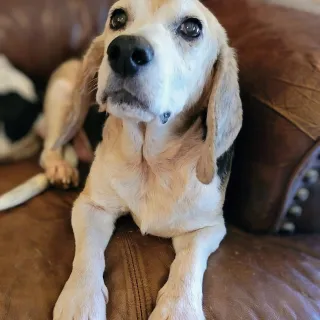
[
  {"x": 173, "y": 306},
  {"x": 82, "y": 299},
  {"x": 60, "y": 173}
]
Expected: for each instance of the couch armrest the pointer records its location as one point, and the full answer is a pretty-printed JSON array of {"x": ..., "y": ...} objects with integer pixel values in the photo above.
[{"x": 279, "y": 59}]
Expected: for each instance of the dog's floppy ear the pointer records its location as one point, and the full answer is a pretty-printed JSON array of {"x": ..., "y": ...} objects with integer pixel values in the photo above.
[
  {"x": 224, "y": 113},
  {"x": 84, "y": 92}
]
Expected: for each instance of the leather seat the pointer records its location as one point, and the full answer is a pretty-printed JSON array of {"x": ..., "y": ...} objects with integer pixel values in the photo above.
[{"x": 251, "y": 276}]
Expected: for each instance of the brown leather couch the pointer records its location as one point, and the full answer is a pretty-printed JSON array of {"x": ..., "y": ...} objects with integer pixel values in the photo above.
[{"x": 274, "y": 185}]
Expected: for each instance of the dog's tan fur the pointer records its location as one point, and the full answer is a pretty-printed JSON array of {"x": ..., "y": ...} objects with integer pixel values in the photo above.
[
  {"x": 163, "y": 174},
  {"x": 57, "y": 103},
  {"x": 84, "y": 97}
]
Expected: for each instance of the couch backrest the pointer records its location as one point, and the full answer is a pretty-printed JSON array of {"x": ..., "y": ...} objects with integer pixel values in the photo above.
[{"x": 37, "y": 35}]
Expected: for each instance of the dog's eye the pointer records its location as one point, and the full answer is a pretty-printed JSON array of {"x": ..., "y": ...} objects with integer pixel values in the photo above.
[
  {"x": 118, "y": 19},
  {"x": 190, "y": 28}
]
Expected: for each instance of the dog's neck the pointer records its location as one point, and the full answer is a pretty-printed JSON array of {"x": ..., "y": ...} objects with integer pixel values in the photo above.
[
  {"x": 156, "y": 138},
  {"x": 145, "y": 140},
  {"x": 150, "y": 142}
]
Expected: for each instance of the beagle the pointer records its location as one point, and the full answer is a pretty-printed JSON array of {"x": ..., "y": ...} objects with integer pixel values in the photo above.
[{"x": 165, "y": 73}]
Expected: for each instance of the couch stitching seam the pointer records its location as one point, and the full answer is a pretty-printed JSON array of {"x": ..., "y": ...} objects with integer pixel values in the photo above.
[{"x": 135, "y": 279}]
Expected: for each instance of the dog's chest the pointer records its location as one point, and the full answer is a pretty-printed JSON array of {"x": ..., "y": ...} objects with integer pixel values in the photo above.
[
  {"x": 157, "y": 184},
  {"x": 167, "y": 202}
]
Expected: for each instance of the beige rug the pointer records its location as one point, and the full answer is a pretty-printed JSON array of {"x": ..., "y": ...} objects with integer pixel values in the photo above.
[{"x": 312, "y": 6}]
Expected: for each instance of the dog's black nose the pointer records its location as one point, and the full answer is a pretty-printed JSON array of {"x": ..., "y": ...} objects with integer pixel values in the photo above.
[{"x": 127, "y": 54}]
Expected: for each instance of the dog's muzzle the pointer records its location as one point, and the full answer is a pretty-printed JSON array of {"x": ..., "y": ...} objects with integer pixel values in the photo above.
[{"x": 128, "y": 54}]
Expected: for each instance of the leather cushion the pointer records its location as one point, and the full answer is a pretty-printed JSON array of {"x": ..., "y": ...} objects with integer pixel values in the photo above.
[
  {"x": 279, "y": 57},
  {"x": 279, "y": 60},
  {"x": 249, "y": 277}
]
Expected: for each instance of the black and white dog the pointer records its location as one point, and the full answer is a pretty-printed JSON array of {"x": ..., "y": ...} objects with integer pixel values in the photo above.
[
  {"x": 30, "y": 114},
  {"x": 19, "y": 110}
]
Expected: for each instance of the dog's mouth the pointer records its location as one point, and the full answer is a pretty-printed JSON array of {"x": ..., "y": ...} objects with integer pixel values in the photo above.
[{"x": 122, "y": 97}]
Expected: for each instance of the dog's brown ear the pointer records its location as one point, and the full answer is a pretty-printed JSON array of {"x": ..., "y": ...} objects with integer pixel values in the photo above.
[
  {"x": 224, "y": 114},
  {"x": 85, "y": 91}
]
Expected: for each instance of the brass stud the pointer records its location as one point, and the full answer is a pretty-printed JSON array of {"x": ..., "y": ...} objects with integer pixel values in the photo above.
[
  {"x": 288, "y": 227},
  {"x": 311, "y": 176},
  {"x": 303, "y": 194},
  {"x": 295, "y": 211}
]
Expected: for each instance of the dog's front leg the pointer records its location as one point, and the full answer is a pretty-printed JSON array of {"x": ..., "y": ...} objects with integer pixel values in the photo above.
[
  {"x": 181, "y": 297},
  {"x": 85, "y": 295}
]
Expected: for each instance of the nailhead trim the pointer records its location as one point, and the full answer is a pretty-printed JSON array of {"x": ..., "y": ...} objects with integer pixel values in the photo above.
[
  {"x": 288, "y": 227},
  {"x": 295, "y": 208},
  {"x": 302, "y": 194},
  {"x": 311, "y": 176},
  {"x": 295, "y": 211}
]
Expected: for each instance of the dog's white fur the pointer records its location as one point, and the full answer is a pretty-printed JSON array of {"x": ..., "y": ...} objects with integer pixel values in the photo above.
[
  {"x": 13, "y": 80},
  {"x": 167, "y": 181}
]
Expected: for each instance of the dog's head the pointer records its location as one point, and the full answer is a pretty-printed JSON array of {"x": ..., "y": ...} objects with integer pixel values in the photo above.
[{"x": 157, "y": 58}]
